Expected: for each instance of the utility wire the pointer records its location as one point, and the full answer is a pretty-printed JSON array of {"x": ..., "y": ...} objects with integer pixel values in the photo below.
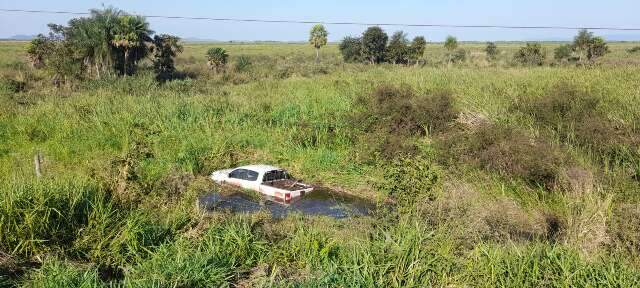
[{"x": 340, "y": 23}]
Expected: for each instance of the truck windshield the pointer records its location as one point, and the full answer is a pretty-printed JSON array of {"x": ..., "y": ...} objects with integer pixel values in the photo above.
[{"x": 275, "y": 175}]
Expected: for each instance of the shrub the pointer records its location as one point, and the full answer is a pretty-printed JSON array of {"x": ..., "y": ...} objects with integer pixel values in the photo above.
[
  {"x": 597, "y": 48},
  {"x": 352, "y": 50},
  {"x": 585, "y": 44},
  {"x": 458, "y": 56},
  {"x": 38, "y": 50},
  {"x": 393, "y": 116},
  {"x": 451, "y": 44},
  {"x": 398, "y": 50},
  {"x": 533, "y": 54},
  {"x": 634, "y": 50},
  {"x": 242, "y": 64},
  {"x": 492, "y": 51},
  {"x": 165, "y": 49},
  {"x": 563, "y": 53},
  {"x": 625, "y": 228},
  {"x": 410, "y": 179},
  {"x": 418, "y": 46},
  {"x": 12, "y": 86},
  {"x": 508, "y": 151},
  {"x": 474, "y": 218},
  {"x": 575, "y": 117}
]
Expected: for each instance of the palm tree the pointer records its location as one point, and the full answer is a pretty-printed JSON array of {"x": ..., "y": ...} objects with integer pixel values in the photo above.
[
  {"x": 131, "y": 34},
  {"x": 217, "y": 58},
  {"x": 450, "y": 44},
  {"x": 318, "y": 38}
]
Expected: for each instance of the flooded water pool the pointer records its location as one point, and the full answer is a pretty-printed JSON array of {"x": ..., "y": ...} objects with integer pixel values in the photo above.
[{"x": 320, "y": 202}]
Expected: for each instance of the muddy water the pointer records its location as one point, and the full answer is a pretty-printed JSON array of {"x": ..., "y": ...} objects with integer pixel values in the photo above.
[{"x": 320, "y": 202}]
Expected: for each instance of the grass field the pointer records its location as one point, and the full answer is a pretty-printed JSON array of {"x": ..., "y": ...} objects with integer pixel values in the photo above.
[{"x": 487, "y": 174}]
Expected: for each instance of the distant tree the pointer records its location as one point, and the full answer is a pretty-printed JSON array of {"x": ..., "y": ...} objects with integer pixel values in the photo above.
[
  {"x": 351, "y": 49},
  {"x": 374, "y": 43},
  {"x": 165, "y": 49},
  {"x": 217, "y": 58},
  {"x": 589, "y": 47},
  {"x": 563, "y": 53},
  {"x": 532, "y": 54},
  {"x": 418, "y": 46},
  {"x": 398, "y": 49},
  {"x": 492, "y": 51},
  {"x": 581, "y": 43},
  {"x": 318, "y": 38},
  {"x": 132, "y": 33},
  {"x": 451, "y": 44}
]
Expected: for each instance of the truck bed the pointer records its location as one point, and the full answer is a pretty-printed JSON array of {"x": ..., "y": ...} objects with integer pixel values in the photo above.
[{"x": 289, "y": 185}]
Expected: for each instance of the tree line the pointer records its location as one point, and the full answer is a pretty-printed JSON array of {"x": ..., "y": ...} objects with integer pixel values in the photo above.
[
  {"x": 112, "y": 42},
  {"x": 108, "y": 42},
  {"x": 375, "y": 46}
]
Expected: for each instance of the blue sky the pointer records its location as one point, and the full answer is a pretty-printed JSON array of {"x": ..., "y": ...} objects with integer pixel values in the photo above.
[{"x": 489, "y": 12}]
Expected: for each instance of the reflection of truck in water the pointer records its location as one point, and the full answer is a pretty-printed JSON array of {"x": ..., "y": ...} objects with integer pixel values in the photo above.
[{"x": 267, "y": 180}]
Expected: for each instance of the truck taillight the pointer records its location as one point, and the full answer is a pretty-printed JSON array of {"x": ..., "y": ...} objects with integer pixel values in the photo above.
[{"x": 287, "y": 197}]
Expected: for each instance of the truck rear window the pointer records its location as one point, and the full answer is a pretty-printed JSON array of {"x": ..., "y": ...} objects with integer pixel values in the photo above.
[
  {"x": 244, "y": 174},
  {"x": 275, "y": 175}
]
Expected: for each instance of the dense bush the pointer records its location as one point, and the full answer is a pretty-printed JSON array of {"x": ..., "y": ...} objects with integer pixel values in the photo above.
[
  {"x": 165, "y": 49},
  {"x": 410, "y": 179},
  {"x": 394, "y": 116},
  {"x": 352, "y": 50},
  {"x": 398, "y": 51},
  {"x": 575, "y": 116},
  {"x": 508, "y": 151},
  {"x": 533, "y": 54},
  {"x": 563, "y": 53},
  {"x": 492, "y": 51}
]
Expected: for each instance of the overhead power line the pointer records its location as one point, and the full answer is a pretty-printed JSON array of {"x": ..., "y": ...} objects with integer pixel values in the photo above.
[{"x": 339, "y": 23}]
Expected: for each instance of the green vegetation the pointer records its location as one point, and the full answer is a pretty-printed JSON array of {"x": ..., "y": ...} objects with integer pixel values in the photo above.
[
  {"x": 318, "y": 38},
  {"x": 533, "y": 54},
  {"x": 492, "y": 51},
  {"x": 217, "y": 58},
  {"x": 485, "y": 174}
]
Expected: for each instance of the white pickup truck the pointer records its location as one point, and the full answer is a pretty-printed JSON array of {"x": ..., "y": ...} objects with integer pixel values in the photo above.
[{"x": 267, "y": 180}]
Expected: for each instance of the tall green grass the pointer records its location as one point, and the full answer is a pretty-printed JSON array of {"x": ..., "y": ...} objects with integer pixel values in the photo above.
[{"x": 72, "y": 228}]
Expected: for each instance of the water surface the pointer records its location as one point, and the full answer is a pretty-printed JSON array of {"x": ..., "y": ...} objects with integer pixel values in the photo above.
[{"x": 320, "y": 202}]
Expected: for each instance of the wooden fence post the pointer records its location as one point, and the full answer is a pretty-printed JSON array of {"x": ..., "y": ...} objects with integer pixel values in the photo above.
[{"x": 37, "y": 160}]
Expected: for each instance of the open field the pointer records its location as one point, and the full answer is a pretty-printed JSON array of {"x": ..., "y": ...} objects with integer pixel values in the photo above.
[{"x": 486, "y": 173}]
